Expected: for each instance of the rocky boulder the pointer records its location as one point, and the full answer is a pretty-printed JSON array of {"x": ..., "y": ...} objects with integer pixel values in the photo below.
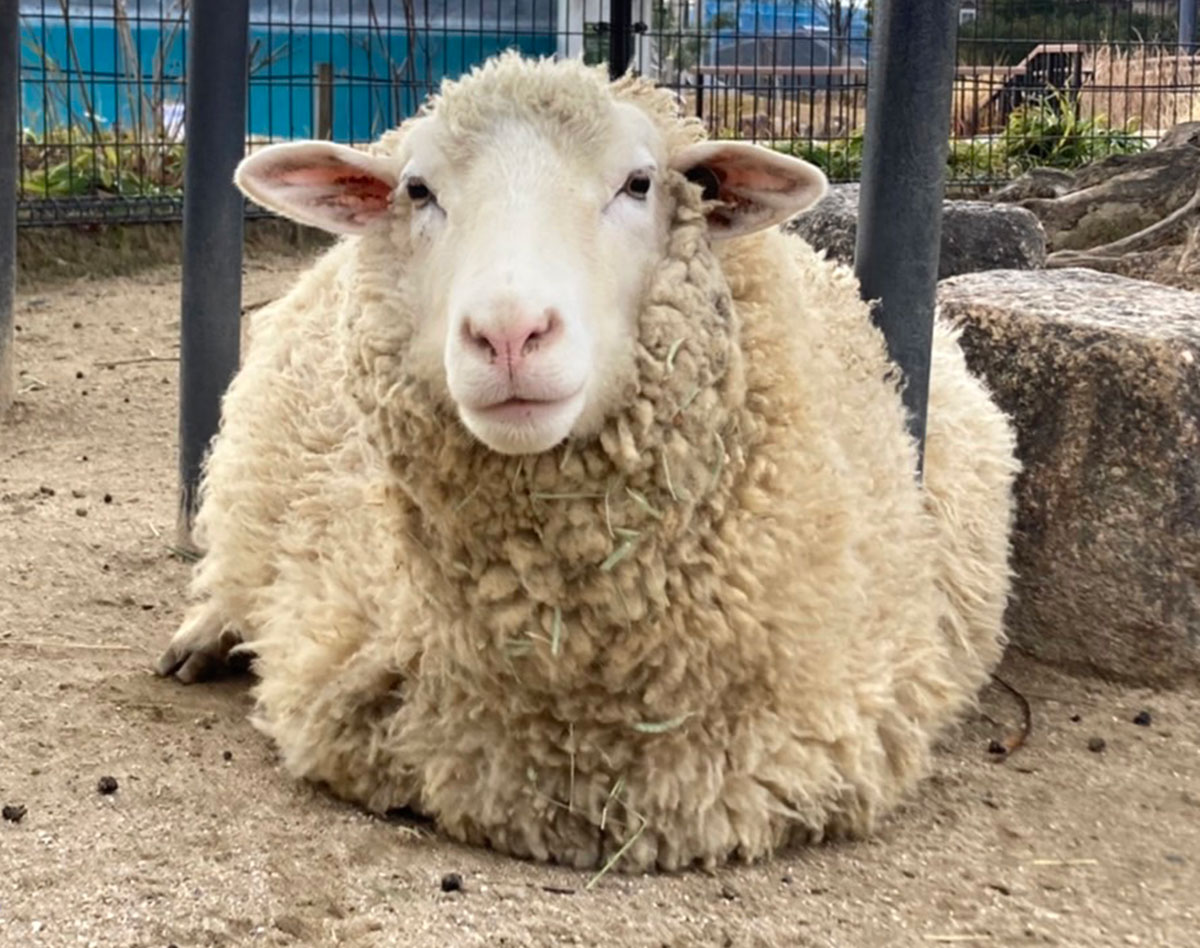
[
  {"x": 1101, "y": 375},
  {"x": 1137, "y": 215},
  {"x": 975, "y": 235}
]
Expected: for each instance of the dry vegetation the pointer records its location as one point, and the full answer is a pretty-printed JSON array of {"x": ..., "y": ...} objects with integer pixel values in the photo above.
[
  {"x": 1154, "y": 87},
  {"x": 1147, "y": 88}
]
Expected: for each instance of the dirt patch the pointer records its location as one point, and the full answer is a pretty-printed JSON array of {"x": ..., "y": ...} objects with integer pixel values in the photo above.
[{"x": 202, "y": 840}]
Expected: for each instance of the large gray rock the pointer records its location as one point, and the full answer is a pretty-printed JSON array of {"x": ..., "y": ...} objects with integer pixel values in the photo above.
[
  {"x": 1101, "y": 375},
  {"x": 975, "y": 235}
]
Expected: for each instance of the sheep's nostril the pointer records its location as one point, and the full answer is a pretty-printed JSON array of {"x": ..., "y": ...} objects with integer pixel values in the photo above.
[
  {"x": 544, "y": 332},
  {"x": 478, "y": 340}
]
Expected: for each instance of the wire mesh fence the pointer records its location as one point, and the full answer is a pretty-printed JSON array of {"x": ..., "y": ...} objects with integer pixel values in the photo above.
[{"x": 1058, "y": 82}]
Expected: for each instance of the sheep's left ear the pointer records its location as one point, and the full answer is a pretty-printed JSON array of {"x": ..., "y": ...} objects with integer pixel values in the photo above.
[{"x": 758, "y": 187}]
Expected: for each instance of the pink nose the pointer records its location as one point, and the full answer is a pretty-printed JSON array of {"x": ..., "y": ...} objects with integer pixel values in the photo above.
[{"x": 515, "y": 338}]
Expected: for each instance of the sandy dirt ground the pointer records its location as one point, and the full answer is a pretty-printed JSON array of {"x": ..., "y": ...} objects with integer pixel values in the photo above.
[{"x": 206, "y": 842}]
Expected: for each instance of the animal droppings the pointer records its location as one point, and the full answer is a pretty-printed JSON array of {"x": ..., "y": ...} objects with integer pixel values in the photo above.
[
  {"x": 106, "y": 785},
  {"x": 452, "y": 882},
  {"x": 14, "y": 812},
  {"x": 1142, "y": 719},
  {"x": 1096, "y": 745}
]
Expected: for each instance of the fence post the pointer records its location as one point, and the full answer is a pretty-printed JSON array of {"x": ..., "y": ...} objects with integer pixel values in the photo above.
[
  {"x": 215, "y": 117},
  {"x": 323, "y": 102},
  {"x": 10, "y": 86},
  {"x": 905, "y": 147},
  {"x": 1187, "y": 24},
  {"x": 620, "y": 37}
]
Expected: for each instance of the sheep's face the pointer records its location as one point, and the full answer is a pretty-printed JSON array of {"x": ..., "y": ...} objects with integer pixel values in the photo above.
[
  {"x": 534, "y": 251},
  {"x": 534, "y": 204}
]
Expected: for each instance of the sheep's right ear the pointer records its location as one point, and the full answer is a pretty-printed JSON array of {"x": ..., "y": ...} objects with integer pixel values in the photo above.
[{"x": 322, "y": 184}]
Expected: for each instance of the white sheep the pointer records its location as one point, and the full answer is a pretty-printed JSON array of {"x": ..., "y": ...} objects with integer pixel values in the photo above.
[{"x": 578, "y": 511}]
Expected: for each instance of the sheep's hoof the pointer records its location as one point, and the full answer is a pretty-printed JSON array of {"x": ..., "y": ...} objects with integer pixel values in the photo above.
[{"x": 199, "y": 650}]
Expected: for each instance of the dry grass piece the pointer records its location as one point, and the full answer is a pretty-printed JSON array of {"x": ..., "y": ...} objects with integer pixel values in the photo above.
[{"x": 659, "y": 727}]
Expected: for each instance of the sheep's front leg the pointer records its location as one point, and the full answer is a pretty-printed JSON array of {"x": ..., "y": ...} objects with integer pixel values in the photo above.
[{"x": 200, "y": 647}]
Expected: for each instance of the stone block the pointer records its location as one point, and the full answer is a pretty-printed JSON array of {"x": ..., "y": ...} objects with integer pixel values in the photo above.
[
  {"x": 975, "y": 235},
  {"x": 1100, "y": 374}
]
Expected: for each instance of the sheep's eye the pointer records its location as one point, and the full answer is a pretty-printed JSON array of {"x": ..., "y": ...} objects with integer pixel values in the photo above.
[
  {"x": 638, "y": 185},
  {"x": 418, "y": 191}
]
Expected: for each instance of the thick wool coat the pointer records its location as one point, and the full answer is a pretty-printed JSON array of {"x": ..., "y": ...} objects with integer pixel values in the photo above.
[{"x": 732, "y": 619}]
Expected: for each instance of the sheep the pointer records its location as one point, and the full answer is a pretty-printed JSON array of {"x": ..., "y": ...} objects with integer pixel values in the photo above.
[{"x": 570, "y": 502}]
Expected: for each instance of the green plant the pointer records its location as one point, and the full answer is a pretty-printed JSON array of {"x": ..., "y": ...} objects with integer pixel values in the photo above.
[
  {"x": 1050, "y": 132},
  {"x": 972, "y": 160},
  {"x": 840, "y": 159},
  {"x": 76, "y": 161}
]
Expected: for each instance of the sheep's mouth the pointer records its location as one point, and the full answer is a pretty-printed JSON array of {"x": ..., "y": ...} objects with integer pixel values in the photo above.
[
  {"x": 523, "y": 410},
  {"x": 524, "y": 425}
]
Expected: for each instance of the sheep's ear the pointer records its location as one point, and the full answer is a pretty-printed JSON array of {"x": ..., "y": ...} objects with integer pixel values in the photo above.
[
  {"x": 325, "y": 185},
  {"x": 757, "y": 187}
]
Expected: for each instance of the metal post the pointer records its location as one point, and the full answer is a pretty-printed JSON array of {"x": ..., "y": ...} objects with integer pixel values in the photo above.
[
  {"x": 323, "y": 102},
  {"x": 10, "y": 85},
  {"x": 905, "y": 146},
  {"x": 212, "y": 233},
  {"x": 620, "y": 37},
  {"x": 1187, "y": 24}
]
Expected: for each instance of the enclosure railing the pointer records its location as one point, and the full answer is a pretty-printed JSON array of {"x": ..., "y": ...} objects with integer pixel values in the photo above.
[{"x": 102, "y": 81}]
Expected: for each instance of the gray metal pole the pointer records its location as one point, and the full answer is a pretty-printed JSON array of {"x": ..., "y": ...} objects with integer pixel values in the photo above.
[
  {"x": 10, "y": 84},
  {"x": 212, "y": 232},
  {"x": 1187, "y": 24},
  {"x": 905, "y": 145},
  {"x": 620, "y": 37}
]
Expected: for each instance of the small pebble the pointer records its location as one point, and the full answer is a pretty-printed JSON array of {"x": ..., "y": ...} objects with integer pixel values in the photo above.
[
  {"x": 728, "y": 892},
  {"x": 786, "y": 880},
  {"x": 1076, "y": 718},
  {"x": 78, "y": 494},
  {"x": 1142, "y": 719},
  {"x": 14, "y": 812},
  {"x": 452, "y": 882},
  {"x": 107, "y": 785},
  {"x": 81, "y": 511},
  {"x": 48, "y": 491},
  {"x": 76, "y": 325},
  {"x": 1096, "y": 745}
]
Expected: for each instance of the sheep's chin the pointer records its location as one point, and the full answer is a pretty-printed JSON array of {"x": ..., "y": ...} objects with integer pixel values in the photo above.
[{"x": 528, "y": 428}]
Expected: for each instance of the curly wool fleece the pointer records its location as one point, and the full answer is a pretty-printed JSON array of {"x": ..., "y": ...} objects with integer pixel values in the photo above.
[{"x": 730, "y": 620}]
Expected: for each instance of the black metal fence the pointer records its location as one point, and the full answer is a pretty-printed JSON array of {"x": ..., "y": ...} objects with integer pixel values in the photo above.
[{"x": 1039, "y": 81}]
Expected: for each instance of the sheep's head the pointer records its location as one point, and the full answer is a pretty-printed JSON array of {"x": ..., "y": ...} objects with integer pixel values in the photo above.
[{"x": 530, "y": 204}]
